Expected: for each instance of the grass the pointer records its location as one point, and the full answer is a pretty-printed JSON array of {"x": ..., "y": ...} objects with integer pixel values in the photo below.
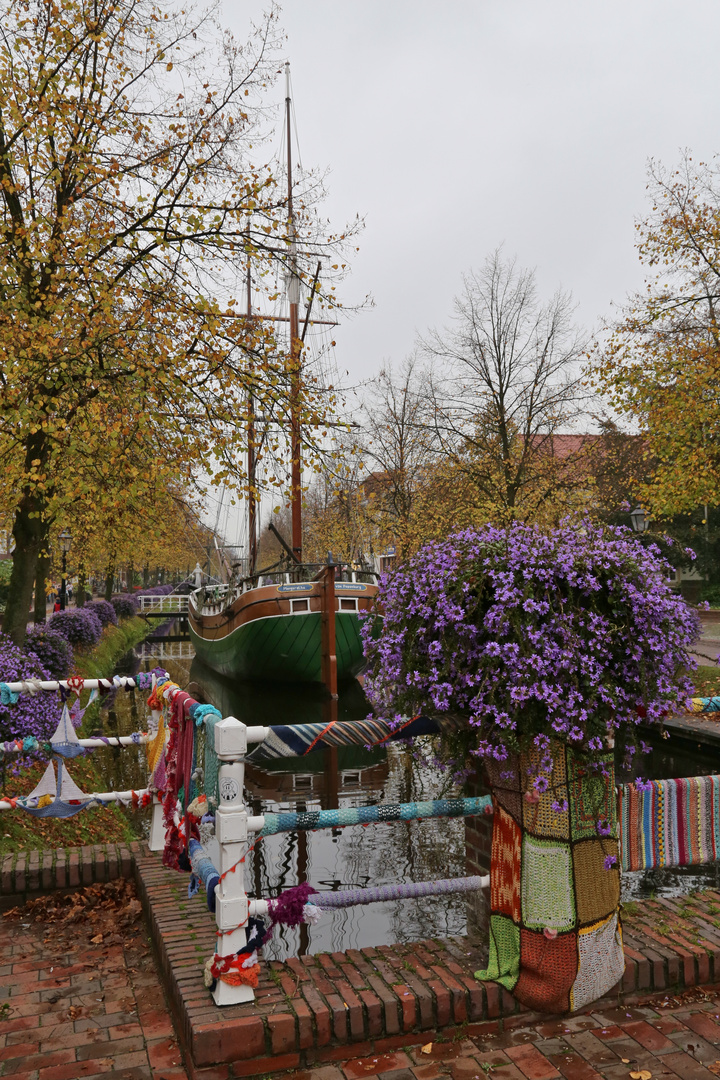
[
  {"x": 23, "y": 832},
  {"x": 98, "y": 662},
  {"x": 106, "y": 825},
  {"x": 707, "y": 681}
]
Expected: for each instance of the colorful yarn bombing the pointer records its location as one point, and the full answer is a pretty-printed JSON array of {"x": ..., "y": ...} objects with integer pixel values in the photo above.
[
  {"x": 60, "y": 798},
  {"x": 240, "y": 968},
  {"x": 300, "y": 739},
  {"x": 670, "y": 822},
  {"x": 367, "y": 815},
  {"x": 7, "y": 696},
  {"x": 328, "y": 901},
  {"x": 555, "y": 939},
  {"x": 705, "y": 704},
  {"x": 202, "y": 871},
  {"x": 155, "y": 750}
]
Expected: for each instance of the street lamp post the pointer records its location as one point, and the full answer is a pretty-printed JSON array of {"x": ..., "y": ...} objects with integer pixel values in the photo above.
[
  {"x": 65, "y": 544},
  {"x": 639, "y": 519}
]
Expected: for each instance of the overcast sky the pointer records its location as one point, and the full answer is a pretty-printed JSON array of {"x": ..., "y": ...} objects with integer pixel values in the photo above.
[{"x": 454, "y": 127}]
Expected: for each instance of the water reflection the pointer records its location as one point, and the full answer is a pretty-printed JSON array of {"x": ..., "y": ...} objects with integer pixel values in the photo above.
[{"x": 349, "y": 776}]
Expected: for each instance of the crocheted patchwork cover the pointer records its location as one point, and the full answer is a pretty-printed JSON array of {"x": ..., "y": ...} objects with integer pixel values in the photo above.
[
  {"x": 670, "y": 823},
  {"x": 555, "y": 937}
]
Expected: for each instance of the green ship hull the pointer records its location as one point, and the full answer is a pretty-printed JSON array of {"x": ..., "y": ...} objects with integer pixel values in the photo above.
[{"x": 286, "y": 648}]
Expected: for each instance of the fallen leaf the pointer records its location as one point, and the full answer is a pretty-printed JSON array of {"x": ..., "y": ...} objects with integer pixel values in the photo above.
[
  {"x": 643, "y": 1074},
  {"x": 426, "y": 1049},
  {"x": 714, "y": 1067},
  {"x": 625, "y": 1061},
  {"x": 97, "y": 940}
]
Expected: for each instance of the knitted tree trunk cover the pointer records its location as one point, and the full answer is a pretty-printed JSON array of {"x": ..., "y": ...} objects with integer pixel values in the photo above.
[{"x": 555, "y": 937}]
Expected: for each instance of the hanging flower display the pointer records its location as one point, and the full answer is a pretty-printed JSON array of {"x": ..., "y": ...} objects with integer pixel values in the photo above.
[{"x": 544, "y": 645}]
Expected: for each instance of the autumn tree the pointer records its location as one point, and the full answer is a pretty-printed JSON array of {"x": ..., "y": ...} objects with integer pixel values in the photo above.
[
  {"x": 506, "y": 382},
  {"x": 398, "y": 444},
  {"x": 661, "y": 365},
  {"x": 130, "y": 198}
]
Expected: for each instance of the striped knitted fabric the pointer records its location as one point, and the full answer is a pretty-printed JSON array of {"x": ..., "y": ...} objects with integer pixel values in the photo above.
[
  {"x": 299, "y": 739},
  {"x": 705, "y": 704},
  {"x": 670, "y": 823}
]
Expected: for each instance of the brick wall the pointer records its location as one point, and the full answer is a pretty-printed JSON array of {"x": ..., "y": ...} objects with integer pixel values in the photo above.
[{"x": 25, "y": 872}]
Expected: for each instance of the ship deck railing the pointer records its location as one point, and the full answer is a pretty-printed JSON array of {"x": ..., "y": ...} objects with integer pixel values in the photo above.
[{"x": 214, "y": 599}]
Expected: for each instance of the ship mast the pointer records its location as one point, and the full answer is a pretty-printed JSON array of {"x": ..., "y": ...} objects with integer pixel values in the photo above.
[
  {"x": 252, "y": 504},
  {"x": 295, "y": 348}
]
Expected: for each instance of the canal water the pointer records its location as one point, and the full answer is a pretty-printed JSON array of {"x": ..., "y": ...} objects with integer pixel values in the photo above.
[{"x": 358, "y": 856}]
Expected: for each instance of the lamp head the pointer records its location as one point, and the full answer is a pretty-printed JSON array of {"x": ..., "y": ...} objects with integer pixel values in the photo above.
[{"x": 639, "y": 519}]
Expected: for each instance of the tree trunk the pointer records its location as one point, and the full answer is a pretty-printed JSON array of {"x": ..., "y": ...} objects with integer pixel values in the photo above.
[
  {"x": 82, "y": 582},
  {"x": 555, "y": 942},
  {"x": 43, "y": 565},
  {"x": 29, "y": 534},
  {"x": 109, "y": 581},
  {"x": 146, "y": 576}
]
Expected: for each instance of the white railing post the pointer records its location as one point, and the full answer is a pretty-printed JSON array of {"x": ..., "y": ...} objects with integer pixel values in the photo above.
[
  {"x": 231, "y": 905},
  {"x": 157, "y": 826}
]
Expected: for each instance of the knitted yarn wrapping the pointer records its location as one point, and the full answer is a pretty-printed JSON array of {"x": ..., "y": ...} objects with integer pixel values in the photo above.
[
  {"x": 328, "y": 901},
  {"x": 210, "y": 782},
  {"x": 287, "y": 908}
]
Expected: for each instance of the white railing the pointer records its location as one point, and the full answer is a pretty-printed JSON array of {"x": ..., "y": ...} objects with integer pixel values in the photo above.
[
  {"x": 172, "y": 604},
  {"x": 33, "y": 686}
]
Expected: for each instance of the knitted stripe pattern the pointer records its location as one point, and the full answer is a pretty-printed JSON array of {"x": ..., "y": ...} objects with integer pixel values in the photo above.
[
  {"x": 366, "y": 815},
  {"x": 670, "y": 822},
  {"x": 300, "y": 739},
  {"x": 555, "y": 940}
]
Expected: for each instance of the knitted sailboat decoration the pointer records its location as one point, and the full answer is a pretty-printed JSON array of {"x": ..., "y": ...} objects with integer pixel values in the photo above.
[
  {"x": 65, "y": 741},
  {"x": 59, "y": 798},
  {"x": 62, "y": 797}
]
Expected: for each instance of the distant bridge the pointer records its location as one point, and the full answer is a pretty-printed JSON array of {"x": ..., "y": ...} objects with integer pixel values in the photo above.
[{"x": 157, "y": 607}]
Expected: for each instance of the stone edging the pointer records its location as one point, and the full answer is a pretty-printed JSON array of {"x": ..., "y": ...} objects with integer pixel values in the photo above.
[{"x": 23, "y": 873}]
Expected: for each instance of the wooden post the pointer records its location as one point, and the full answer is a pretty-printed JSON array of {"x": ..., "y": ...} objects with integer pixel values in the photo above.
[{"x": 329, "y": 657}]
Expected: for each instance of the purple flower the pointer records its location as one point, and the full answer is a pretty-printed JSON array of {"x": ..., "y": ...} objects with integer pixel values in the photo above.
[
  {"x": 125, "y": 606},
  {"x": 52, "y": 649},
  {"x": 104, "y": 610},
  {"x": 604, "y": 828},
  {"x": 610, "y": 862},
  {"x": 528, "y": 635},
  {"x": 38, "y": 715},
  {"x": 80, "y": 626}
]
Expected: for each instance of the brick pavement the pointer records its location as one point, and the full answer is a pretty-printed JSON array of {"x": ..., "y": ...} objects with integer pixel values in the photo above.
[
  {"x": 668, "y": 1037},
  {"x": 376, "y": 1000},
  {"x": 73, "y": 1007}
]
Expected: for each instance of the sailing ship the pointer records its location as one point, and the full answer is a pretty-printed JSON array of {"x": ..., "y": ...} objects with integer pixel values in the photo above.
[{"x": 297, "y": 623}]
